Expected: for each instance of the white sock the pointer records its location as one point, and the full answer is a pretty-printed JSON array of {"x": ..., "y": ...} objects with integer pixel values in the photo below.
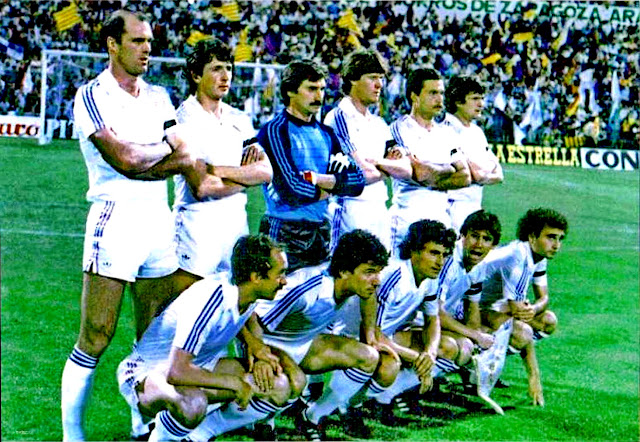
[
  {"x": 77, "y": 379},
  {"x": 139, "y": 423},
  {"x": 406, "y": 379},
  {"x": 230, "y": 417},
  {"x": 168, "y": 428},
  {"x": 344, "y": 384}
]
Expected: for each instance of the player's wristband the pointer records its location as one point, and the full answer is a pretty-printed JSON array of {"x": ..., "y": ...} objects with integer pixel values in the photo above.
[{"x": 310, "y": 177}]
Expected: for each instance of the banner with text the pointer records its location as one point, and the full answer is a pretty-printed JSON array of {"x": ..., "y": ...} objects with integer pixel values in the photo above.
[
  {"x": 580, "y": 12},
  {"x": 538, "y": 155},
  {"x": 19, "y": 126},
  {"x": 609, "y": 159}
]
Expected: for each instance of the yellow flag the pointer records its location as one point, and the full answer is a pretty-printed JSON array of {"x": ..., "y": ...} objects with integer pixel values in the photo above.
[
  {"x": 354, "y": 41},
  {"x": 573, "y": 107},
  {"x": 195, "y": 37},
  {"x": 230, "y": 11},
  {"x": 243, "y": 51},
  {"x": 491, "y": 59},
  {"x": 67, "y": 17},
  {"x": 349, "y": 21},
  {"x": 530, "y": 14},
  {"x": 521, "y": 37}
]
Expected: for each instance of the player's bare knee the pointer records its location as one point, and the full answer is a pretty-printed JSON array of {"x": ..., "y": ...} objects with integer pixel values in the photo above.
[
  {"x": 190, "y": 408},
  {"x": 366, "y": 357},
  {"x": 281, "y": 391},
  {"x": 550, "y": 322},
  {"x": 522, "y": 335},
  {"x": 448, "y": 348},
  {"x": 387, "y": 371},
  {"x": 465, "y": 346}
]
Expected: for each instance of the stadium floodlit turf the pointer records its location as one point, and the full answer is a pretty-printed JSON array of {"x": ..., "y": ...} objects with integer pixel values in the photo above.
[{"x": 589, "y": 367}]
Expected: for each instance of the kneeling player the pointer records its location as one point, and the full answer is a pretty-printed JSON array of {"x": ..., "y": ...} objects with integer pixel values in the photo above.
[{"x": 178, "y": 366}]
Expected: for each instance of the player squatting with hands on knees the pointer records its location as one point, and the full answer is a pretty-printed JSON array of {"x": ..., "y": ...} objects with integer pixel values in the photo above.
[
  {"x": 409, "y": 285},
  {"x": 303, "y": 153},
  {"x": 508, "y": 273},
  {"x": 208, "y": 223},
  {"x": 121, "y": 122},
  {"x": 460, "y": 317},
  {"x": 437, "y": 166},
  {"x": 296, "y": 322},
  {"x": 464, "y": 101}
]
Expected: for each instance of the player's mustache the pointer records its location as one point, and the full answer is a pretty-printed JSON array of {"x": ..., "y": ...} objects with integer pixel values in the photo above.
[{"x": 316, "y": 103}]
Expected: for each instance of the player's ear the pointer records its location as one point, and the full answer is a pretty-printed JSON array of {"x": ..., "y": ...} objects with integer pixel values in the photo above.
[
  {"x": 255, "y": 277},
  {"x": 111, "y": 44}
]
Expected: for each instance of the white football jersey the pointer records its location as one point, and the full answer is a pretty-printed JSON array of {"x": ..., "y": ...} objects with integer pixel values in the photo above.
[
  {"x": 103, "y": 103},
  {"x": 506, "y": 273}
]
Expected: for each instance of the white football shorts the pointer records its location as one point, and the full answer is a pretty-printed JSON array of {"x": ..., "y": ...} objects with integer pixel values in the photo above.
[{"x": 127, "y": 240}]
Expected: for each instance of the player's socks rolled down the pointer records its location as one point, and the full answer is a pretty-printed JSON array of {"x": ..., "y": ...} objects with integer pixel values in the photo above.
[
  {"x": 231, "y": 417},
  {"x": 168, "y": 428},
  {"x": 77, "y": 380},
  {"x": 344, "y": 384}
]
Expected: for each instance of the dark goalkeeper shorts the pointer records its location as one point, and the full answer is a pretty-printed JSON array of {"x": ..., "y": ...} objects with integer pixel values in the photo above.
[{"x": 306, "y": 242}]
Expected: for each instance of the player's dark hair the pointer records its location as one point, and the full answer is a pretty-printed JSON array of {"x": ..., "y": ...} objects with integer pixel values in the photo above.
[
  {"x": 355, "y": 248},
  {"x": 534, "y": 221},
  {"x": 416, "y": 79},
  {"x": 251, "y": 253},
  {"x": 203, "y": 52},
  {"x": 359, "y": 63},
  {"x": 457, "y": 91},
  {"x": 481, "y": 220},
  {"x": 424, "y": 231},
  {"x": 115, "y": 23},
  {"x": 295, "y": 73}
]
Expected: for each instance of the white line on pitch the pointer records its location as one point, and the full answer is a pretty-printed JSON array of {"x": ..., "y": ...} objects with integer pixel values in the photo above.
[{"x": 42, "y": 233}]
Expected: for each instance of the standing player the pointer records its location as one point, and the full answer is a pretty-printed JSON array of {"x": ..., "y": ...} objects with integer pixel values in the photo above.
[
  {"x": 296, "y": 320},
  {"x": 365, "y": 138},
  {"x": 206, "y": 230},
  {"x": 437, "y": 166},
  {"x": 509, "y": 271},
  {"x": 308, "y": 167},
  {"x": 464, "y": 99},
  {"x": 179, "y": 365},
  {"x": 129, "y": 234}
]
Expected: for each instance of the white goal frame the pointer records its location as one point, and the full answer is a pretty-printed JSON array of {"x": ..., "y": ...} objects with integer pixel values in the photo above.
[{"x": 261, "y": 73}]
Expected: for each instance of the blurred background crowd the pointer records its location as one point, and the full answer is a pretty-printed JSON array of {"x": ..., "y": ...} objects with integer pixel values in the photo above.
[{"x": 556, "y": 73}]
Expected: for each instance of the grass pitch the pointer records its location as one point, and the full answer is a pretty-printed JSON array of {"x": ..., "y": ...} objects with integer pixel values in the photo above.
[{"x": 589, "y": 367}]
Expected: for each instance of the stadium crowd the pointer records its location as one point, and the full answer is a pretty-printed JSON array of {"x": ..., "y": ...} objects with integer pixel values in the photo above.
[{"x": 566, "y": 68}]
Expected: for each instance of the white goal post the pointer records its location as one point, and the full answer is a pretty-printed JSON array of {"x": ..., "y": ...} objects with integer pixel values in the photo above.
[{"x": 254, "y": 87}]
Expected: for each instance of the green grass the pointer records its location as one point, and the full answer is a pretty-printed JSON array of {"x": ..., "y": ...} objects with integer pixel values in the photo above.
[{"x": 590, "y": 366}]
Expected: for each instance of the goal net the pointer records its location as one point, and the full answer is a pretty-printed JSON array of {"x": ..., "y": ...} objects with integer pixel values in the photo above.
[{"x": 254, "y": 87}]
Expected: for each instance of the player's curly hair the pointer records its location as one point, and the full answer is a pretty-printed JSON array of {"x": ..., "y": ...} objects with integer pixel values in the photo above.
[
  {"x": 203, "y": 52},
  {"x": 534, "y": 221},
  {"x": 424, "y": 231},
  {"x": 295, "y": 73},
  {"x": 457, "y": 91},
  {"x": 114, "y": 24},
  {"x": 482, "y": 220},
  {"x": 251, "y": 253},
  {"x": 355, "y": 248},
  {"x": 359, "y": 63},
  {"x": 416, "y": 79}
]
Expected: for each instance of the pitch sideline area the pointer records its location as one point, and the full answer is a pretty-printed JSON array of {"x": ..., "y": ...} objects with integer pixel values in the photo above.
[{"x": 589, "y": 368}]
